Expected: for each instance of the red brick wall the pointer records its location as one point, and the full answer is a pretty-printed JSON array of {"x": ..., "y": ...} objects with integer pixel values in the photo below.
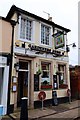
[{"x": 75, "y": 82}]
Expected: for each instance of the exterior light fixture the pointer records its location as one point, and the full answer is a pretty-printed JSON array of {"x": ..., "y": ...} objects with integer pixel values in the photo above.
[
  {"x": 67, "y": 47},
  {"x": 16, "y": 66}
]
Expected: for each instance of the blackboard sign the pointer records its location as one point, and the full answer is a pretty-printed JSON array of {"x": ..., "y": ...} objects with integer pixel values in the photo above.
[
  {"x": 55, "y": 85},
  {"x": 36, "y": 82},
  {"x": 55, "y": 78}
]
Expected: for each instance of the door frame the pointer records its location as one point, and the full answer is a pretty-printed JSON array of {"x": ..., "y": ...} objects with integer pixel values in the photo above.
[{"x": 24, "y": 70}]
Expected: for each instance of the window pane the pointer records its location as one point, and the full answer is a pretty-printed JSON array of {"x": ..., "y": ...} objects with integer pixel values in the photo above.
[
  {"x": 22, "y": 30},
  {"x": 45, "y": 34},
  {"x": 45, "y": 78},
  {"x": 62, "y": 75},
  {"x": 26, "y": 29}
]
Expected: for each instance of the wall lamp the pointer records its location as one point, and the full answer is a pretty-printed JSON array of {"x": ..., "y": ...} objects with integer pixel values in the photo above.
[
  {"x": 67, "y": 47},
  {"x": 16, "y": 66}
]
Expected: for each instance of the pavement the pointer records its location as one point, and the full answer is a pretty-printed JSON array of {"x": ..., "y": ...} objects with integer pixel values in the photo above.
[{"x": 64, "y": 110}]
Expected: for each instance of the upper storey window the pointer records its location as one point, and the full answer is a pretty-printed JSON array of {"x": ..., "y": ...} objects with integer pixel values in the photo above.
[
  {"x": 26, "y": 29},
  {"x": 45, "y": 34}
]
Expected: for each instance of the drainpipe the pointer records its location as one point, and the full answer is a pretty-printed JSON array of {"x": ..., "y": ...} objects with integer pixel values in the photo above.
[{"x": 13, "y": 23}]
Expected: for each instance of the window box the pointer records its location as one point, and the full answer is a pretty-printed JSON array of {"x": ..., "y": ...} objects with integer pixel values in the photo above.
[
  {"x": 63, "y": 86},
  {"x": 46, "y": 86}
]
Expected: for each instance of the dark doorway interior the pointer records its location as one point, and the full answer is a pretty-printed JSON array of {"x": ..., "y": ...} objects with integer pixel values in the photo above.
[{"x": 22, "y": 82}]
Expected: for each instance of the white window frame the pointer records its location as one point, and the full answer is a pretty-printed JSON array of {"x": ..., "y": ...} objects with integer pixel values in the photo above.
[
  {"x": 46, "y": 71},
  {"x": 32, "y": 32},
  {"x": 64, "y": 74},
  {"x": 50, "y": 35}
]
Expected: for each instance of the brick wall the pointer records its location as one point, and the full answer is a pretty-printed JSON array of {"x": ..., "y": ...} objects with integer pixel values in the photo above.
[{"x": 75, "y": 82}]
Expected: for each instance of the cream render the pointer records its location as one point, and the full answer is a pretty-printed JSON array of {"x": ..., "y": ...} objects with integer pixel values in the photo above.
[
  {"x": 34, "y": 95},
  {"x": 30, "y": 61},
  {"x": 6, "y": 36}
]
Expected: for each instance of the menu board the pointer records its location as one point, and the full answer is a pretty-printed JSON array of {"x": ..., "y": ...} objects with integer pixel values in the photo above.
[{"x": 36, "y": 82}]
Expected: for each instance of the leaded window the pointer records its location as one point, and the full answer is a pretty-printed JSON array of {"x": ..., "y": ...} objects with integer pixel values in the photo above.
[
  {"x": 45, "y": 34},
  {"x": 26, "y": 29}
]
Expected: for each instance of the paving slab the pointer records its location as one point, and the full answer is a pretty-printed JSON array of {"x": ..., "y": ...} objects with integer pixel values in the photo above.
[
  {"x": 62, "y": 109},
  {"x": 35, "y": 113},
  {"x": 71, "y": 114}
]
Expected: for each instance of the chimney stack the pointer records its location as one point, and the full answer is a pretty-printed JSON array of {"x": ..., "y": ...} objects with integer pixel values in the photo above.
[{"x": 50, "y": 18}]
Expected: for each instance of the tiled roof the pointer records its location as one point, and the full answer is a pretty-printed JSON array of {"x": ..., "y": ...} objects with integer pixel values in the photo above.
[{"x": 19, "y": 10}]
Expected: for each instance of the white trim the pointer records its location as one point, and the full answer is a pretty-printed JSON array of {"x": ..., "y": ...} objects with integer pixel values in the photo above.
[
  {"x": 50, "y": 36},
  {"x": 5, "y": 89},
  {"x": 19, "y": 27},
  {"x": 24, "y": 70},
  {"x": 33, "y": 30}
]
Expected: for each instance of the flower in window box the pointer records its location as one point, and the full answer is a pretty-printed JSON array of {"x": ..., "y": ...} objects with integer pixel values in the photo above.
[
  {"x": 64, "y": 86},
  {"x": 46, "y": 86},
  {"x": 61, "y": 81}
]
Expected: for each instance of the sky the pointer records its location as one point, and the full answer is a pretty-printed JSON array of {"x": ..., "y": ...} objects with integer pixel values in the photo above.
[{"x": 63, "y": 12}]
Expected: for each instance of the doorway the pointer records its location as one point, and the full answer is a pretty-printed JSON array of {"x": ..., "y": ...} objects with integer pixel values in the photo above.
[{"x": 23, "y": 81}]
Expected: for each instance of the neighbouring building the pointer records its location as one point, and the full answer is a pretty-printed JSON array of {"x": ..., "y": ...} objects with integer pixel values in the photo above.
[
  {"x": 39, "y": 59},
  {"x": 5, "y": 49},
  {"x": 79, "y": 33},
  {"x": 75, "y": 82}
]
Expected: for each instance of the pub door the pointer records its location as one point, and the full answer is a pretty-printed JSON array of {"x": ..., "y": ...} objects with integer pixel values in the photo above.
[{"x": 23, "y": 81}]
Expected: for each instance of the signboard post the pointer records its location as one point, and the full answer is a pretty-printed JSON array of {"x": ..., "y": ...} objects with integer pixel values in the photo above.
[
  {"x": 42, "y": 96},
  {"x": 69, "y": 95}
]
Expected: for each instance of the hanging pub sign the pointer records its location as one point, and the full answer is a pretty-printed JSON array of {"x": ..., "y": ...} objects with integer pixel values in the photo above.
[{"x": 59, "y": 40}]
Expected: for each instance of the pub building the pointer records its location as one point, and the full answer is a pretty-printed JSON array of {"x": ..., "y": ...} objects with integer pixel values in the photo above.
[{"x": 40, "y": 60}]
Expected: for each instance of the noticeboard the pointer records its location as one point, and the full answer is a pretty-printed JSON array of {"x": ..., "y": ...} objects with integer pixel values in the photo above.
[{"x": 36, "y": 82}]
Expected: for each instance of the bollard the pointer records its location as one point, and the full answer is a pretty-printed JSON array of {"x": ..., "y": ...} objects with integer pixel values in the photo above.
[{"x": 24, "y": 109}]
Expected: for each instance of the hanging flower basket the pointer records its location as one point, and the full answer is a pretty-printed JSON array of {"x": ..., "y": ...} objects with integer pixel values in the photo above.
[{"x": 38, "y": 72}]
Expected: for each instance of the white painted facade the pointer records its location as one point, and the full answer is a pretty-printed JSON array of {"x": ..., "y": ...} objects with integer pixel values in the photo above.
[
  {"x": 4, "y": 83},
  {"x": 78, "y": 33}
]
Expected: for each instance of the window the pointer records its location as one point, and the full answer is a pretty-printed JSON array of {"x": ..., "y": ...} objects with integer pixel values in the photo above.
[
  {"x": 45, "y": 78},
  {"x": 26, "y": 29},
  {"x": 45, "y": 34},
  {"x": 62, "y": 76}
]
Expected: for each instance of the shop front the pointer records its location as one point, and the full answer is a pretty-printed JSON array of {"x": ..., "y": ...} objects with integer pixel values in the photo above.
[
  {"x": 4, "y": 74},
  {"x": 40, "y": 71}
]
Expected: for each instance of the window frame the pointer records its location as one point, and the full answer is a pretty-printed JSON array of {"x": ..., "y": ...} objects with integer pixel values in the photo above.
[
  {"x": 50, "y": 35},
  {"x": 46, "y": 63},
  {"x": 64, "y": 73},
  {"x": 33, "y": 28}
]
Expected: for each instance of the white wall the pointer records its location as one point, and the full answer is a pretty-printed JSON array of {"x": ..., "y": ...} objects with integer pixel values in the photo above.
[
  {"x": 79, "y": 33},
  {"x": 5, "y": 88}
]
